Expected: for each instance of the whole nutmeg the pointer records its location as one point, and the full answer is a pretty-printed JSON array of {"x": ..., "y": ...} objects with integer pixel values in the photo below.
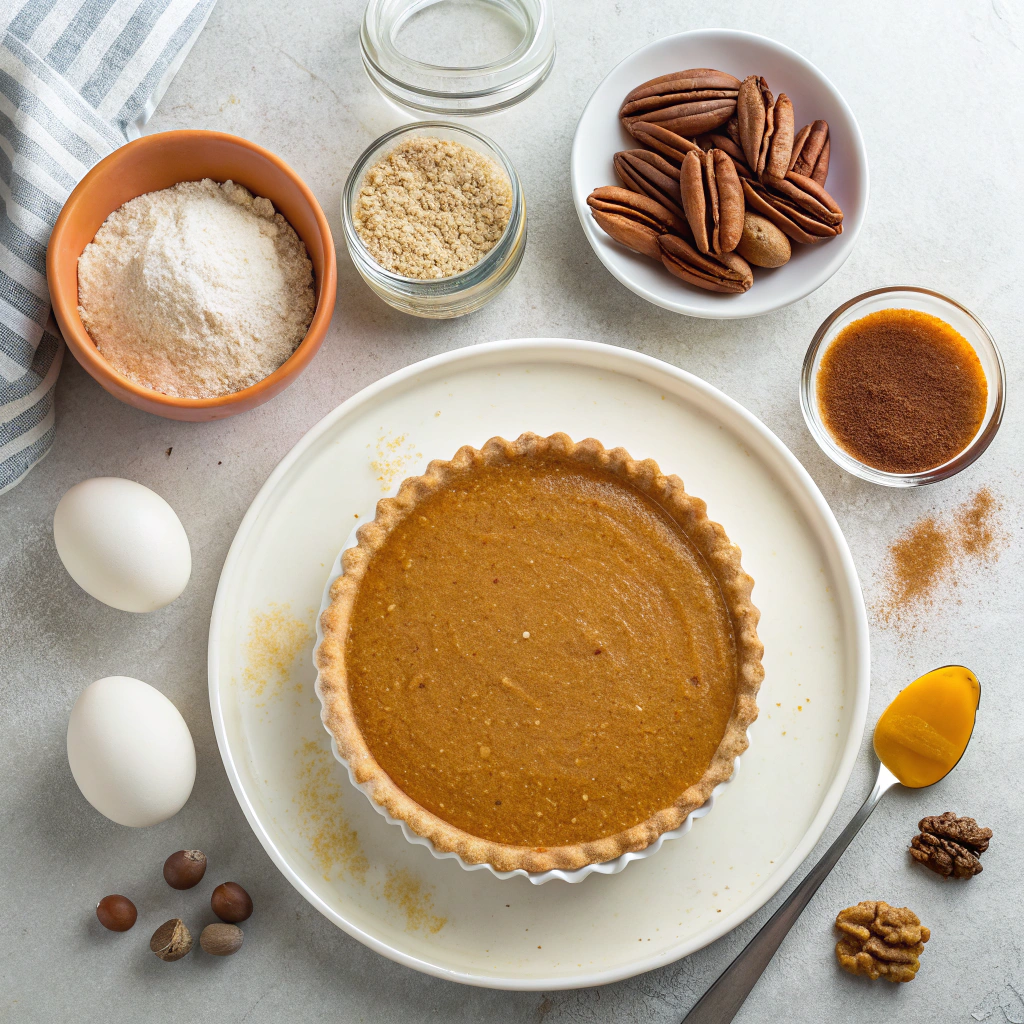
[
  {"x": 184, "y": 869},
  {"x": 116, "y": 913},
  {"x": 172, "y": 940},
  {"x": 762, "y": 242},
  {"x": 231, "y": 903},
  {"x": 221, "y": 939}
]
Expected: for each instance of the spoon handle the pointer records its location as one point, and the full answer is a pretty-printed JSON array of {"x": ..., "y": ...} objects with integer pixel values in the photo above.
[{"x": 723, "y": 1000}]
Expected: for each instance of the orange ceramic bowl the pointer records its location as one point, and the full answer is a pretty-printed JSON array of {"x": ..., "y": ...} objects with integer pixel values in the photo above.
[{"x": 160, "y": 161}]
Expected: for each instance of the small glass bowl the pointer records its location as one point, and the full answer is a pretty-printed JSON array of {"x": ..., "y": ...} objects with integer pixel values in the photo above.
[
  {"x": 443, "y": 297},
  {"x": 925, "y": 301},
  {"x": 471, "y": 82}
]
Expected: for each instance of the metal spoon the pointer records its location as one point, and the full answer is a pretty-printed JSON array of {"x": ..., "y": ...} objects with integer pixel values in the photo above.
[{"x": 722, "y": 1001}]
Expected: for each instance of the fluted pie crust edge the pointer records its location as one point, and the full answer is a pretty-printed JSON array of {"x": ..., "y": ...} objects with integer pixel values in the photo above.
[{"x": 720, "y": 555}]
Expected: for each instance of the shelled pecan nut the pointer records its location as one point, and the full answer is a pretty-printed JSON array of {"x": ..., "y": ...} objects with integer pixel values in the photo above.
[
  {"x": 755, "y": 112},
  {"x": 811, "y": 149},
  {"x": 780, "y": 149},
  {"x": 687, "y": 102},
  {"x": 880, "y": 941},
  {"x": 668, "y": 143},
  {"x": 650, "y": 173},
  {"x": 805, "y": 216},
  {"x": 723, "y": 272},
  {"x": 633, "y": 219},
  {"x": 766, "y": 129},
  {"x": 713, "y": 200},
  {"x": 950, "y": 846}
]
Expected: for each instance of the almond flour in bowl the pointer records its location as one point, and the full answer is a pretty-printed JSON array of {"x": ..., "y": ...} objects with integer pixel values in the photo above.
[{"x": 196, "y": 291}]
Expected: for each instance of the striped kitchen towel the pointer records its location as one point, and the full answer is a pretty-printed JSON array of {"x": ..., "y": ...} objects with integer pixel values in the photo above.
[{"x": 78, "y": 78}]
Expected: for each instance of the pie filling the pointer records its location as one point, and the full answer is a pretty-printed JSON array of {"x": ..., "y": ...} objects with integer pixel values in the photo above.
[{"x": 540, "y": 656}]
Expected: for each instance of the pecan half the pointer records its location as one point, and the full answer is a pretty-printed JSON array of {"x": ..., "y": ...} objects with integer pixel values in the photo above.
[
  {"x": 723, "y": 272},
  {"x": 653, "y": 175},
  {"x": 950, "y": 846},
  {"x": 686, "y": 102},
  {"x": 713, "y": 200},
  {"x": 633, "y": 219},
  {"x": 801, "y": 220},
  {"x": 806, "y": 192},
  {"x": 880, "y": 941},
  {"x": 666, "y": 142},
  {"x": 811, "y": 149},
  {"x": 766, "y": 129},
  {"x": 780, "y": 149},
  {"x": 755, "y": 107}
]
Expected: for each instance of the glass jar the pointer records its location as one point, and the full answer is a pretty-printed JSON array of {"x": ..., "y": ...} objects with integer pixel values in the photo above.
[
  {"x": 443, "y": 297},
  {"x": 925, "y": 301},
  {"x": 457, "y": 56}
]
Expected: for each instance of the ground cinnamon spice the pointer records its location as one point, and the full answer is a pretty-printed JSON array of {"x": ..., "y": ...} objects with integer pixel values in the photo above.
[
  {"x": 928, "y": 561},
  {"x": 975, "y": 523},
  {"x": 901, "y": 391},
  {"x": 919, "y": 560}
]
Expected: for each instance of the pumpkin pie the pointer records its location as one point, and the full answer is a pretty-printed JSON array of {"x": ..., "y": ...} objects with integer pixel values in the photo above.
[{"x": 540, "y": 654}]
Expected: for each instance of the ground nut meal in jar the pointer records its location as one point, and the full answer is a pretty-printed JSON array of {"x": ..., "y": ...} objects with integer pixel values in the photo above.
[{"x": 432, "y": 208}]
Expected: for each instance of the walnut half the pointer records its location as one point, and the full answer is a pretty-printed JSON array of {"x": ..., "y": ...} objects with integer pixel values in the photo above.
[
  {"x": 880, "y": 941},
  {"x": 950, "y": 846}
]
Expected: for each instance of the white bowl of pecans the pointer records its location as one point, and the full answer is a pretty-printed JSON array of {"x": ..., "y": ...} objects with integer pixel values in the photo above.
[{"x": 719, "y": 174}]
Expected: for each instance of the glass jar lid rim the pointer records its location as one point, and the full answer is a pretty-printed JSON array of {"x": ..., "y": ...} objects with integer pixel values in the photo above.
[{"x": 451, "y": 88}]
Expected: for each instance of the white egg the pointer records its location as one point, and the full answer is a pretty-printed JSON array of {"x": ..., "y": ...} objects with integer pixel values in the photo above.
[
  {"x": 122, "y": 543},
  {"x": 130, "y": 751}
]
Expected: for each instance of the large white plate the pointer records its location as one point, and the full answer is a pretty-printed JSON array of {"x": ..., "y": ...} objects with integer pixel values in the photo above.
[
  {"x": 599, "y": 135},
  {"x": 474, "y": 928}
]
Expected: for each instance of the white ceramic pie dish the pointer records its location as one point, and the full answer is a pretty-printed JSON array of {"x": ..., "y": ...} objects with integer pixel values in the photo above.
[
  {"x": 599, "y": 135},
  {"x": 609, "y": 867}
]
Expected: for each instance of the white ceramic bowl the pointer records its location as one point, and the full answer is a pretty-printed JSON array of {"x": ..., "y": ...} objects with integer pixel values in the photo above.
[
  {"x": 599, "y": 135},
  {"x": 609, "y": 867}
]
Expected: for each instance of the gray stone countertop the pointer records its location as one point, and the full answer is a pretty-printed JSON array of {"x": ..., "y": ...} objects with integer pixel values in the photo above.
[{"x": 934, "y": 86}]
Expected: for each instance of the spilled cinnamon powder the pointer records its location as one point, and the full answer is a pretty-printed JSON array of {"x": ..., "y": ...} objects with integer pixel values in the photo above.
[
  {"x": 412, "y": 896},
  {"x": 333, "y": 843},
  {"x": 979, "y": 533},
  {"x": 929, "y": 560},
  {"x": 276, "y": 638}
]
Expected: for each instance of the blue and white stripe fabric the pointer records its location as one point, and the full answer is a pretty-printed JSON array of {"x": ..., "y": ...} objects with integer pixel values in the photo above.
[{"x": 78, "y": 78}]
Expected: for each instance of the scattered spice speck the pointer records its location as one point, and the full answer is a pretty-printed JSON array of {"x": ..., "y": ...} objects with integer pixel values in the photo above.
[
  {"x": 930, "y": 560},
  {"x": 333, "y": 843},
  {"x": 276, "y": 639},
  {"x": 393, "y": 456},
  {"x": 411, "y": 895}
]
